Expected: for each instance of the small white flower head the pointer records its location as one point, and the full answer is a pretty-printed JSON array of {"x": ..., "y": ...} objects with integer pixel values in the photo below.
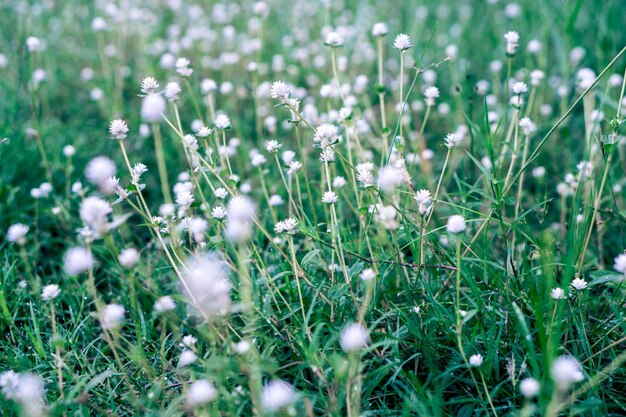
[
  {"x": 431, "y": 93},
  {"x": 279, "y": 90},
  {"x": 242, "y": 347},
  {"x": 379, "y": 29},
  {"x": 118, "y": 129},
  {"x": 519, "y": 87},
  {"x": 512, "y": 42},
  {"x": 99, "y": 169},
  {"x": 288, "y": 226},
  {"x": 222, "y": 122},
  {"x": 456, "y": 224},
  {"x": 163, "y": 304},
  {"x": 188, "y": 341},
  {"x": 207, "y": 283},
  {"x": 17, "y": 233},
  {"x": 149, "y": 85},
  {"x": 476, "y": 360},
  {"x": 327, "y": 155},
  {"x": 334, "y": 40},
  {"x": 69, "y": 151},
  {"x": 557, "y": 293},
  {"x": 204, "y": 132},
  {"x": 272, "y": 146},
  {"x": 28, "y": 390},
  {"x": 218, "y": 213},
  {"x": 182, "y": 67},
  {"x": 354, "y": 337},
  {"x": 277, "y": 395},
  {"x": 221, "y": 193},
  {"x": 172, "y": 90},
  {"x": 50, "y": 292},
  {"x": 424, "y": 202},
  {"x": 528, "y": 126},
  {"x": 368, "y": 274},
  {"x": 138, "y": 170},
  {"x": 201, "y": 392},
  {"x": 529, "y": 387},
  {"x": 294, "y": 167},
  {"x": 566, "y": 371},
  {"x": 34, "y": 44},
  {"x": 339, "y": 182},
  {"x": 329, "y": 197},
  {"x": 389, "y": 178},
  {"x": 94, "y": 213},
  {"x": 77, "y": 260},
  {"x": 579, "y": 284},
  {"x": 129, "y": 257},
  {"x": 452, "y": 140},
  {"x": 402, "y": 42},
  {"x": 326, "y": 134},
  {"x": 98, "y": 24},
  {"x": 9, "y": 383},
  {"x": 186, "y": 358},
  {"x": 153, "y": 106},
  {"x": 620, "y": 263},
  {"x": 112, "y": 316}
]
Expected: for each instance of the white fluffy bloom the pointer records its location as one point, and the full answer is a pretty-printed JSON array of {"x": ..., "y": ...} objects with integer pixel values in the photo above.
[
  {"x": 118, "y": 129},
  {"x": 519, "y": 88},
  {"x": 424, "y": 201},
  {"x": 99, "y": 169},
  {"x": 207, "y": 283},
  {"x": 272, "y": 146},
  {"x": 69, "y": 151},
  {"x": 402, "y": 42},
  {"x": 389, "y": 178},
  {"x": 529, "y": 387},
  {"x": 50, "y": 292},
  {"x": 17, "y": 233},
  {"x": 620, "y": 263},
  {"x": 566, "y": 371},
  {"x": 34, "y": 44},
  {"x": 77, "y": 260},
  {"x": 128, "y": 257},
  {"x": 222, "y": 122},
  {"x": 557, "y": 293},
  {"x": 368, "y": 274},
  {"x": 512, "y": 42},
  {"x": 334, "y": 39},
  {"x": 452, "y": 140},
  {"x": 165, "y": 303},
  {"x": 94, "y": 213},
  {"x": 149, "y": 85},
  {"x": 329, "y": 197},
  {"x": 218, "y": 213},
  {"x": 152, "y": 107},
  {"x": 182, "y": 67},
  {"x": 379, "y": 29},
  {"x": 279, "y": 90},
  {"x": 354, "y": 337},
  {"x": 476, "y": 360},
  {"x": 456, "y": 224},
  {"x": 431, "y": 93},
  {"x": 277, "y": 395},
  {"x": 112, "y": 316},
  {"x": 172, "y": 90},
  {"x": 579, "y": 284},
  {"x": 240, "y": 213},
  {"x": 186, "y": 358},
  {"x": 201, "y": 392}
]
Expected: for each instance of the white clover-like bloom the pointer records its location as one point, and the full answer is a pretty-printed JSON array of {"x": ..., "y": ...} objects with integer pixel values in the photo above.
[
  {"x": 431, "y": 93},
  {"x": 218, "y": 213},
  {"x": 34, "y": 44},
  {"x": 112, "y": 316},
  {"x": 128, "y": 257},
  {"x": 153, "y": 106},
  {"x": 368, "y": 274},
  {"x": 182, "y": 67},
  {"x": 77, "y": 260},
  {"x": 50, "y": 292},
  {"x": 28, "y": 390},
  {"x": 452, "y": 140},
  {"x": 579, "y": 284},
  {"x": 294, "y": 167},
  {"x": 242, "y": 347},
  {"x": 519, "y": 87},
  {"x": 279, "y": 90},
  {"x": 456, "y": 224},
  {"x": 339, "y": 182},
  {"x": 207, "y": 283},
  {"x": 476, "y": 360},
  {"x": 536, "y": 76},
  {"x": 222, "y": 122},
  {"x": 402, "y": 42},
  {"x": 138, "y": 170},
  {"x": 389, "y": 178},
  {"x": 557, "y": 293},
  {"x": 201, "y": 392},
  {"x": 565, "y": 372},
  {"x": 327, "y": 155},
  {"x": 528, "y": 126},
  {"x": 272, "y": 146},
  {"x": 118, "y": 129},
  {"x": 620, "y": 263},
  {"x": 424, "y": 201},
  {"x": 94, "y": 213},
  {"x": 512, "y": 42},
  {"x": 329, "y": 197},
  {"x": 221, "y": 193},
  {"x": 334, "y": 39},
  {"x": 172, "y": 90},
  {"x": 188, "y": 341},
  {"x": 277, "y": 395},
  {"x": 149, "y": 85},
  {"x": 186, "y": 358},
  {"x": 379, "y": 29},
  {"x": 204, "y": 132},
  {"x": 9, "y": 383},
  {"x": 69, "y": 151},
  {"x": 529, "y": 387},
  {"x": 163, "y": 304},
  {"x": 326, "y": 134},
  {"x": 99, "y": 169},
  {"x": 17, "y": 233},
  {"x": 354, "y": 337}
]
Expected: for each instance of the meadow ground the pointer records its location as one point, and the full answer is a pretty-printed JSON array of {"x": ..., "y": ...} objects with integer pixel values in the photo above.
[{"x": 341, "y": 208}]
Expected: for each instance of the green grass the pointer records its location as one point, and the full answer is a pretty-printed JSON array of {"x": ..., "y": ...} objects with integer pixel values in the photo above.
[{"x": 437, "y": 298}]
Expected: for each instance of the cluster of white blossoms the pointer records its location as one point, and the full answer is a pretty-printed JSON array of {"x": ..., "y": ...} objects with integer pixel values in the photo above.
[
  {"x": 206, "y": 284},
  {"x": 512, "y": 42},
  {"x": 288, "y": 226},
  {"x": 26, "y": 389}
]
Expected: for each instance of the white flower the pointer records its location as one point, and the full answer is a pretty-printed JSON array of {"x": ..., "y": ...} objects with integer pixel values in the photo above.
[
  {"x": 182, "y": 67},
  {"x": 279, "y": 90},
  {"x": 242, "y": 347},
  {"x": 207, "y": 284},
  {"x": 221, "y": 192},
  {"x": 557, "y": 293},
  {"x": 289, "y": 226},
  {"x": 204, "y": 132},
  {"x": 172, "y": 90},
  {"x": 327, "y": 155},
  {"x": 201, "y": 392},
  {"x": 529, "y": 387},
  {"x": 431, "y": 93},
  {"x": 566, "y": 371},
  {"x": 519, "y": 88},
  {"x": 138, "y": 170},
  {"x": 277, "y": 395},
  {"x": 69, "y": 151},
  {"x": 129, "y": 257},
  {"x": 579, "y": 284},
  {"x": 153, "y": 106},
  {"x": 329, "y": 197},
  {"x": 222, "y": 122},
  {"x": 188, "y": 341},
  {"x": 276, "y": 200},
  {"x": 527, "y": 125},
  {"x": 9, "y": 383},
  {"x": 186, "y": 358},
  {"x": 294, "y": 167},
  {"x": 456, "y": 224},
  {"x": 512, "y": 42},
  {"x": 218, "y": 213},
  {"x": 99, "y": 169},
  {"x": 339, "y": 182},
  {"x": 272, "y": 146},
  {"x": 389, "y": 178},
  {"x": 77, "y": 260},
  {"x": 368, "y": 274},
  {"x": 149, "y": 85},
  {"x": 424, "y": 201},
  {"x": 354, "y": 337},
  {"x": 165, "y": 303},
  {"x": 112, "y": 316},
  {"x": 34, "y": 44},
  {"x": 334, "y": 39},
  {"x": 476, "y": 360},
  {"x": 94, "y": 212},
  {"x": 620, "y": 263},
  {"x": 50, "y": 292},
  {"x": 118, "y": 129},
  {"x": 17, "y": 233},
  {"x": 402, "y": 42},
  {"x": 379, "y": 29},
  {"x": 452, "y": 140}
]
